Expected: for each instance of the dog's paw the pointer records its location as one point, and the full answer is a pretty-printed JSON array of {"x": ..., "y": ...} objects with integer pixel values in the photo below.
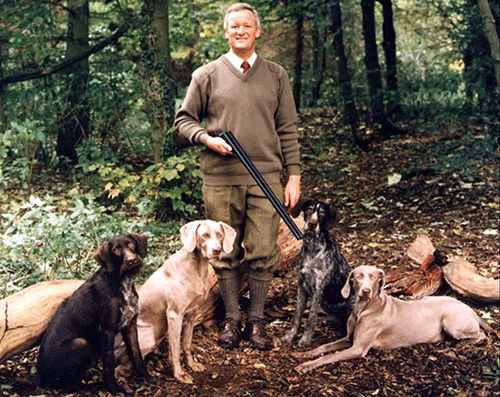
[
  {"x": 197, "y": 367},
  {"x": 116, "y": 390},
  {"x": 183, "y": 377}
]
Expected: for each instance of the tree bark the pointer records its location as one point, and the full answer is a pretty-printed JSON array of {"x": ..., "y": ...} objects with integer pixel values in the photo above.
[
  {"x": 350, "y": 112},
  {"x": 373, "y": 72},
  {"x": 318, "y": 59},
  {"x": 299, "y": 48},
  {"x": 75, "y": 123},
  {"x": 389, "y": 46},
  {"x": 159, "y": 79},
  {"x": 25, "y": 315},
  {"x": 491, "y": 33}
]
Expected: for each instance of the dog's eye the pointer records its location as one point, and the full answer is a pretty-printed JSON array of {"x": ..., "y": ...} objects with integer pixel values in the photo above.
[
  {"x": 131, "y": 247},
  {"x": 117, "y": 251},
  {"x": 219, "y": 235}
]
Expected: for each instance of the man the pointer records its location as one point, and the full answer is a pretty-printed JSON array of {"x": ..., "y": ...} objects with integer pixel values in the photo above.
[{"x": 251, "y": 97}]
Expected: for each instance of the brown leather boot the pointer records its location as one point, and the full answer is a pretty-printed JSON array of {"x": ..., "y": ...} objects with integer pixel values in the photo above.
[
  {"x": 255, "y": 332},
  {"x": 230, "y": 335}
]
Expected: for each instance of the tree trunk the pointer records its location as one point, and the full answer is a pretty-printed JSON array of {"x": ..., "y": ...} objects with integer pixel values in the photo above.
[
  {"x": 318, "y": 59},
  {"x": 160, "y": 84},
  {"x": 389, "y": 46},
  {"x": 350, "y": 112},
  {"x": 491, "y": 33},
  {"x": 299, "y": 45},
  {"x": 373, "y": 73},
  {"x": 75, "y": 123},
  {"x": 25, "y": 315}
]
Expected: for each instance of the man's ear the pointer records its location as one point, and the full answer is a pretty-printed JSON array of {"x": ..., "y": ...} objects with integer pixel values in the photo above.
[{"x": 258, "y": 32}]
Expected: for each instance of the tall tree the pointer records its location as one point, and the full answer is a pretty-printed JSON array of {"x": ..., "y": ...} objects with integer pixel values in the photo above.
[
  {"x": 159, "y": 74},
  {"x": 491, "y": 33},
  {"x": 373, "y": 72},
  {"x": 74, "y": 124},
  {"x": 299, "y": 49},
  {"x": 389, "y": 46},
  {"x": 2, "y": 113},
  {"x": 318, "y": 36},
  {"x": 350, "y": 112}
]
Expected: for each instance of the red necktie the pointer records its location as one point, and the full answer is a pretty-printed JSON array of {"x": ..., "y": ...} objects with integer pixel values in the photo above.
[{"x": 245, "y": 65}]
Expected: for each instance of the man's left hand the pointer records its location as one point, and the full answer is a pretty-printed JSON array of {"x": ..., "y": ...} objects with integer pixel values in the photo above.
[{"x": 292, "y": 191}]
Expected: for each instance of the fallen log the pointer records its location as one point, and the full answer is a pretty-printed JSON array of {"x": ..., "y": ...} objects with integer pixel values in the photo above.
[
  {"x": 463, "y": 279},
  {"x": 25, "y": 315}
]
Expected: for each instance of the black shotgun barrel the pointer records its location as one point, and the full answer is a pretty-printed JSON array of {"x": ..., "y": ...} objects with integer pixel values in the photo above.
[{"x": 257, "y": 176}]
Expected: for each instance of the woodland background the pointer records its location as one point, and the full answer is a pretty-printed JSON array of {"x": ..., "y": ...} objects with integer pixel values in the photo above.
[{"x": 398, "y": 104}]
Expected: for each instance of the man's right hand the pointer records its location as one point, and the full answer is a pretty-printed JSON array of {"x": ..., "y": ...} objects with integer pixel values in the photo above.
[{"x": 219, "y": 145}]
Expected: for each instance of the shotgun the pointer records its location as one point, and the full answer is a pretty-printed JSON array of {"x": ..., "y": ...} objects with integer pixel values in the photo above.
[{"x": 257, "y": 176}]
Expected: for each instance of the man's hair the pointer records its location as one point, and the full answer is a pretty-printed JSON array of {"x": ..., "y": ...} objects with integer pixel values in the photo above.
[{"x": 239, "y": 7}]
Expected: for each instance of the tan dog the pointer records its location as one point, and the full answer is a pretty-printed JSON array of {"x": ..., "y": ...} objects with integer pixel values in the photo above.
[
  {"x": 382, "y": 321},
  {"x": 175, "y": 293}
]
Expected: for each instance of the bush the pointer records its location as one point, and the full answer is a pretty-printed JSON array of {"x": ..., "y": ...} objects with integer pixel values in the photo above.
[{"x": 42, "y": 241}]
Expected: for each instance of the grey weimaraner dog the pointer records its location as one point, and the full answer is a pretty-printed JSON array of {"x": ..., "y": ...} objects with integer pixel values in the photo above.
[
  {"x": 382, "y": 321},
  {"x": 172, "y": 299}
]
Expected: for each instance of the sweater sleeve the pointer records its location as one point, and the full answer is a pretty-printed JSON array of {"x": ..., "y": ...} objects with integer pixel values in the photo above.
[
  {"x": 193, "y": 110},
  {"x": 286, "y": 126}
]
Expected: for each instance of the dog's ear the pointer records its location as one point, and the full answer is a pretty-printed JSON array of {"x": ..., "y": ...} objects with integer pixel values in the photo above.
[
  {"x": 229, "y": 237},
  {"x": 332, "y": 216},
  {"x": 346, "y": 289},
  {"x": 188, "y": 235},
  {"x": 142, "y": 243},
  {"x": 295, "y": 211},
  {"x": 381, "y": 282},
  {"x": 103, "y": 256}
]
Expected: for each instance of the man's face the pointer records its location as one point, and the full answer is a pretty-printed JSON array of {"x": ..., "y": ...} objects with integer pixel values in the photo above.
[{"x": 241, "y": 33}]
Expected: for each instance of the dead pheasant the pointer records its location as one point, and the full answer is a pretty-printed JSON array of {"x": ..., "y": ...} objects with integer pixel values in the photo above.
[{"x": 424, "y": 281}]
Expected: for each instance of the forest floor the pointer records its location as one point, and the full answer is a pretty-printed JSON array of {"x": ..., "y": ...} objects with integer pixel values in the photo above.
[{"x": 448, "y": 190}]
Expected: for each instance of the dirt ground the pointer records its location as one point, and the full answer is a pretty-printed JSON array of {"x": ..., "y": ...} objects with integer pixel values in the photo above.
[{"x": 448, "y": 190}]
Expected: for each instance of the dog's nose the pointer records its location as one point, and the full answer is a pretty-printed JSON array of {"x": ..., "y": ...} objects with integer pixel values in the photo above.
[
  {"x": 217, "y": 251},
  {"x": 366, "y": 291},
  {"x": 131, "y": 260}
]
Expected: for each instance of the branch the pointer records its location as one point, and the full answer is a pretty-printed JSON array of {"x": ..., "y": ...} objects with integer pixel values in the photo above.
[{"x": 65, "y": 64}]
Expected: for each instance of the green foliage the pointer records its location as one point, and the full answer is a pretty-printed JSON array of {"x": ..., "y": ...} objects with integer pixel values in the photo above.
[
  {"x": 441, "y": 92},
  {"x": 41, "y": 240},
  {"x": 171, "y": 189}
]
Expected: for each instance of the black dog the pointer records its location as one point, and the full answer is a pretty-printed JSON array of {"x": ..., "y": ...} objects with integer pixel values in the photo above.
[
  {"x": 323, "y": 272},
  {"x": 84, "y": 327}
]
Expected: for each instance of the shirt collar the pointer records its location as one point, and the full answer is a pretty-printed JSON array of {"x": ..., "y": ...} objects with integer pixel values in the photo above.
[{"x": 237, "y": 61}]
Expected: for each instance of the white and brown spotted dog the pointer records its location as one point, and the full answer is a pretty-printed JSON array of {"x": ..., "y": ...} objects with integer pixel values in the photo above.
[{"x": 172, "y": 298}]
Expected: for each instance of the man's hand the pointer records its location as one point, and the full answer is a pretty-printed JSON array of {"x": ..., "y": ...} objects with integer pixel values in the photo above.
[
  {"x": 292, "y": 191},
  {"x": 219, "y": 145}
]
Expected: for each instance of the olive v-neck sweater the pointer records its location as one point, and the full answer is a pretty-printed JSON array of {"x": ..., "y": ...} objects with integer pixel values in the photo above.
[{"x": 257, "y": 107}]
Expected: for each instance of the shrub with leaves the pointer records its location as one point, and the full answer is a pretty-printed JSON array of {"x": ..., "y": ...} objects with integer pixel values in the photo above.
[{"x": 41, "y": 240}]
